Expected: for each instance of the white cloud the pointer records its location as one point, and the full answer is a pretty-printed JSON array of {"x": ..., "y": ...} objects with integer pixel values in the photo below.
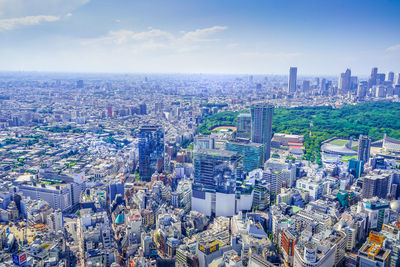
[
  {"x": 393, "y": 48},
  {"x": 156, "y": 39},
  {"x": 202, "y": 34},
  {"x": 13, "y": 23},
  {"x": 23, "y": 8}
]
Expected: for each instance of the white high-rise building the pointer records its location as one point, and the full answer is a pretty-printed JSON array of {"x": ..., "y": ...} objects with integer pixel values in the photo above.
[
  {"x": 292, "y": 83},
  {"x": 55, "y": 221},
  {"x": 397, "y": 79}
]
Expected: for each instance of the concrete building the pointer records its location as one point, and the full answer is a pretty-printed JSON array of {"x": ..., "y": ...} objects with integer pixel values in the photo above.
[
  {"x": 372, "y": 252},
  {"x": 376, "y": 185}
]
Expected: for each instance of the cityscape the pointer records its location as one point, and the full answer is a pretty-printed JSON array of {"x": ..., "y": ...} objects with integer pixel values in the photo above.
[{"x": 153, "y": 158}]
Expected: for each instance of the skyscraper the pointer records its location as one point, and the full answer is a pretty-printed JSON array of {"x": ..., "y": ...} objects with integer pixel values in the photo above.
[
  {"x": 372, "y": 79},
  {"x": 345, "y": 82},
  {"x": 261, "y": 126},
  {"x": 109, "y": 111},
  {"x": 390, "y": 76},
  {"x": 142, "y": 109},
  {"x": 243, "y": 125},
  {"x": 292, "y": 83},
  {"x": 151, "y": 151},
  {"x": 364, "y": 148},
  {"x": 362, "y": 89},
  {"x": 397, "y": 79},
  {"x": 306, "y": 86}
]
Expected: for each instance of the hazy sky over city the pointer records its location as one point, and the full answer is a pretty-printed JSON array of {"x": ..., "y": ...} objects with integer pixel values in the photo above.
[{"x": 206, "y": 36}]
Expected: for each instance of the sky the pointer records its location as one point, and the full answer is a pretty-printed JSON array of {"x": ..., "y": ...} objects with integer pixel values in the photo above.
[{"x": 203, "y": 36}]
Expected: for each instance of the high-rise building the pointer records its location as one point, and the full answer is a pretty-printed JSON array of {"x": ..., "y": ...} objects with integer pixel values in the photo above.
[
  {"x": 390, "y": 76},
  {"x": 323, "y": 85},
  {"x": 252, "y": 154},
  {"x": 356, "y": 167},
  {"x": 261, "y": 126},
  {"x": 397, "y": 79},
  {"x": 378, "y": 213},
  {"x": 362, "y": 89},
  {"x": 109, "y": 111},
  {"x": 142, "y": 109},
  {"x": 243, "y": 125},
  {"x": 151, "y": 151},
  {"x": 364, "y": 148},
  {"x": 55, "y": 221},
  {"x": 292, "y": 82},
  {"x": 214, "y": 187},
  {"x": 373, "y": 78},
  {"x": 345, "y": 82},
  {"x": 376, "y": 185},
  {"x": 211, "y": 168},
  {"x": 306, "y": 86}
]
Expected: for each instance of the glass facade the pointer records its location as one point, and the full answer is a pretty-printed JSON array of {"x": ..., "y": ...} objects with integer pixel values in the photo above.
[{"x": 151, "y": 151}]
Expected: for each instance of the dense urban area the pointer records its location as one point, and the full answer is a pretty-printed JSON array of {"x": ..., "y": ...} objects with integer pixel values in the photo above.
[{"x": 199, "y": 170}]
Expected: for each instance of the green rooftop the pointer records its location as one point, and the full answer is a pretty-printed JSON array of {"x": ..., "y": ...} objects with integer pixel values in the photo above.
[{"x": 296, "y": 209}]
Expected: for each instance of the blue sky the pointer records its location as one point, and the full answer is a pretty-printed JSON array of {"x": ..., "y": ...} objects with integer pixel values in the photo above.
[{"x": 203, "y": 36}]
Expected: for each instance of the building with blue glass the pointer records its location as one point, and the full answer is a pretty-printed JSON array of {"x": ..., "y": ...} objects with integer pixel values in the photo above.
[{"x": 151, "y": 151}]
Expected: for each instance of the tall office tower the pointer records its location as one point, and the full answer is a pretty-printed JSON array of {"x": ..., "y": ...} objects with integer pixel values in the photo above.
[
  {"x": 323, "y": 85},
  {"x": 372, "y": 79},
  {"x": 362, "y": 89},
  {"x": 306, "y": 86},
  {"x": 397, "y": 79},
  {"x": 151, "y": 151},
  {"x": 353, "y": 83},
  {"x": 375, "y": 186},
  {"x": 243, "y": 125},
  {"x": 109, "y": 111},
  {"x": 317, "y": 81},
  {"x": 380, "y": 78},
  {"x": 364, "y": 148},
  {"x": 390, "y": 76},
  {"x": 261, "y": 126},
  {"x": 345, "y": 82},
  {"x": 292, "y": 82},
  {"x": 143, "y": 109}
]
